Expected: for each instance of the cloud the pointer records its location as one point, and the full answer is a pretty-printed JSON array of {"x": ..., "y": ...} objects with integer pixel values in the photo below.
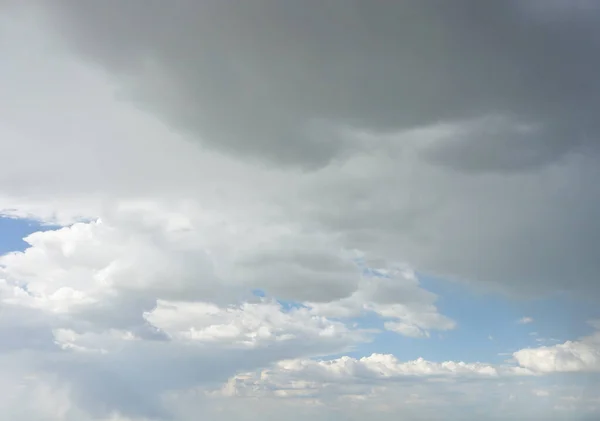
[
  {"x": 112, "y": 271},
  {"x": 106, "y": 370},
  {"x": 194, "y": 154},
  {"x": 525, "y": 320},
  {"x": 571, "y": 356},
  {"x": 384, "y": 385},
  {"x": 540, "y": 392},
  {"x": 250, "y": 325},
  {"x": 459, "y": 174},
  {"x": 301, "y": 374},
  {"x": 108, "y": 273},
  {"x": 312, "y": 267},
  {"x": 595, "y": 323},
  {"x": 94, "y": 296},
  {"x": 279, "y": 97},
  {"x": 396, "y": 296}
]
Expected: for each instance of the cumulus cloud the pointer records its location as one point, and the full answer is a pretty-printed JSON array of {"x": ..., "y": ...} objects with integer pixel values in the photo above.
[
  {"x": 572, "y": 356},
  {"x": 112, "y": 272},
  {"x": 102, "y": 371},
  {"x": 377, "y": 368},
  {"x": 396, "y": 296},
  {"x": 91, "y": 296},
  {"x": 101, "y": 272},
  {"x": 251, "y": 325},
  {"x": 386, "y": 385}
]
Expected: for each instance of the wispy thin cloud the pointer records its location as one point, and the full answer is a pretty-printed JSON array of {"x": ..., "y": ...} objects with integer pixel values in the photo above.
[{"x": 525, "y": 320}]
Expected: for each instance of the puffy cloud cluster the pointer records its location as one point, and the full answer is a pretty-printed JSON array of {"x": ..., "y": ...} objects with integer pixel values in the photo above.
[
  {"x": 106, "y": 274},
  {"x": 93, "y": 296},
  {"x": 293, "y": 378},
  {"x": 394, "y": 295},
  {"x": 383, "y": 385},
  {"x": 572, "y": 356},
  {"x": 111, "y": 272},
  {"x": 250, "y": 325}
]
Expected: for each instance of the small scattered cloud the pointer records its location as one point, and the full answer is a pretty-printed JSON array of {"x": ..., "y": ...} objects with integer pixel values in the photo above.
[
  {"x": 595, "y": 323},
  {"x": 525, "y": 320},
  {"x": 540, "y": 393}
]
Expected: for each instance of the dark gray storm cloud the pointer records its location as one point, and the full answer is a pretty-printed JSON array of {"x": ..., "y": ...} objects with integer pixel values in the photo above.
[
  {"x": 274, "y": 79},
  {"x": 502, "y": 187}
]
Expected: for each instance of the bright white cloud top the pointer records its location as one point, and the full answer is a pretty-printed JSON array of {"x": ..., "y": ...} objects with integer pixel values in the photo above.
[{"x": 270, "y": 209}]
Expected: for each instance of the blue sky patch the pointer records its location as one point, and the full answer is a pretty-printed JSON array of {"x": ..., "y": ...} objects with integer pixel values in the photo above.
[{"x": 13, "y": 230}]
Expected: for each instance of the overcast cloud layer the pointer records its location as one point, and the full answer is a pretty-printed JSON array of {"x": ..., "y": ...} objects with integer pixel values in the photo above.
[
  {"x": 460, "y": 137},
  {"x": 205, "y": 159}
]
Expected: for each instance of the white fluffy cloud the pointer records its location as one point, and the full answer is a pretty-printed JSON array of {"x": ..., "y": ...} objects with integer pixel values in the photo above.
[
  {"x": 383, "y": 386},
  {"x": 296, "y": 377},
  {"x": 395, "y": 295},
  {"x": 104, "y": 271},
  {"x": 250, "y": 325},
  {"x": 145, "y": 281},
  {"x": 118, "y": 268},
  {"x": 572, "y": 356}
]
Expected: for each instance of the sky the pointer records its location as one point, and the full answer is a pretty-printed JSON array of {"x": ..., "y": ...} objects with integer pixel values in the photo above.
[{"x": 304, "y": 210}]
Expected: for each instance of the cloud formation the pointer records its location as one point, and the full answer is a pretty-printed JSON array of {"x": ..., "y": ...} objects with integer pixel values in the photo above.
[
  {"x": 394, "y": 295},
  {"x": 278, "y": 79},
  {"x": 429, "y": 160},
  {"x": 322, "y": 154},
  {"x": 572, "y": 356},
  {"x": 92, "y": 296}
]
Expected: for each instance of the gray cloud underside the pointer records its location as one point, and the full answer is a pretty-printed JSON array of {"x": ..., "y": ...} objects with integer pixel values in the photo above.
[
  {"x": 461, "y": 137},
  {"x": 271, "y": 79}
]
